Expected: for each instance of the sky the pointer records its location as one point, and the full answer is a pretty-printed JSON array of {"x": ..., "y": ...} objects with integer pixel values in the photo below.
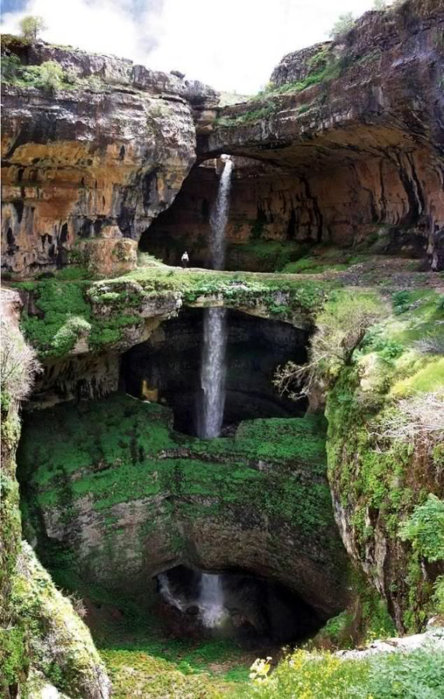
[{"x": 232, "y": 45}]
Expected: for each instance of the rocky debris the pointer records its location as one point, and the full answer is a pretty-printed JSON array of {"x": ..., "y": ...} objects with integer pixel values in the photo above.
[{"x": 432, "y": 640}]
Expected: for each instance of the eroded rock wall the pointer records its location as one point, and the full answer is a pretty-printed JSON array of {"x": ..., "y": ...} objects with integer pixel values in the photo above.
[
  {"x": 89, "y": 166},
  {"x": 118, "y": 498},
  {"x": 44, "y": 645},
  {"x": 395, "y": 199}
]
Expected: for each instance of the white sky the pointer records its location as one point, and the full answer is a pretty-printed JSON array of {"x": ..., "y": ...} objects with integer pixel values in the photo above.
[{"x": 230, "y": 44}]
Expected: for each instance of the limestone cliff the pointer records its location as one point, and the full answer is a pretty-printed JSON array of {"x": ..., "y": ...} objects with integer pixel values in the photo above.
[
  {"x": 96, "y": 159},
  {"x": 347, "y": 143},
  {"x": 44, "y": 645}
]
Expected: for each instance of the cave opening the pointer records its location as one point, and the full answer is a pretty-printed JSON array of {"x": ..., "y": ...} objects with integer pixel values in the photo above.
[
  {"x": 253, "y": 611},
  {"x": 263, "y": 233},
  {"x": 166, "y": 368}
]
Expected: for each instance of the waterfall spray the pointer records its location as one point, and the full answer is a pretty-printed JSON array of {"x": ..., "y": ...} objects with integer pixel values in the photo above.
[
  {"x": 168, "y": 595},
  {"x": 215, "y": 332},
  {"x": 211, "y": 600}
]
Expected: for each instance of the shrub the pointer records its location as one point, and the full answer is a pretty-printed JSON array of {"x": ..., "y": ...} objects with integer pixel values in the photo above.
[
  {"x": 342, "y": 25},
  {"x": 10, "y": 66},
  {"x": 341, "y": 328},
  {"x": 50, "y": 76},
  {"x": 425, "y": 529},
  {"x": 18, "y": 364},
  {"x": 417, "y": 418},
  {"x": 432, "y": 343},
  {"x": 31, "y": 26},
  {"x": 302, "y": 675}
]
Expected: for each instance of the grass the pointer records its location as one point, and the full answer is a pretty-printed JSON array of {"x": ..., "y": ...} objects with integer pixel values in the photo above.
[{"x": 303, "y": 675}]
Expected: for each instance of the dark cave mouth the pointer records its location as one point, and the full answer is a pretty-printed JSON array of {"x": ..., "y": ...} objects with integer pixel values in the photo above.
[
  {"x": 253, "y": 611},
  {"x": 166, "y": 368}
]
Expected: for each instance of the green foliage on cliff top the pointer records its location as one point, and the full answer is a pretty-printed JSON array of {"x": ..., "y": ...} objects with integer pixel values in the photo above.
[
  {"x": 60, "y": 312},
  {"x": 63, "y": 315}
]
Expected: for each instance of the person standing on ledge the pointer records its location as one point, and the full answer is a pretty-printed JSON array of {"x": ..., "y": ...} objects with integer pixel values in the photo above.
[{"x": 185, "y": 259}]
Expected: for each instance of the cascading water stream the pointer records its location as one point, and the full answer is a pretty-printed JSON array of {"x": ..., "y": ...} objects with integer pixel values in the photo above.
[
  {"x": 215, "y": 333},
  {"x": 211, "y": 600}
]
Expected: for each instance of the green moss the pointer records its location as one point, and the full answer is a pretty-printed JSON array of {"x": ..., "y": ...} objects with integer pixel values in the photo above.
[
  {"x": 377, "y": 480},
  {"x": 127, "y": 437},
  {"x": 14, "y": 661},
  {"x": 263, "y": 255},
  {"x": 99, "y": 312}
]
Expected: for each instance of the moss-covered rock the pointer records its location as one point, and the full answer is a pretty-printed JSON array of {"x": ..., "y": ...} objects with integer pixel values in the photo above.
[
  {"x": 115, "y": 472},
  {"x": 55, "y": 641},
  {"x": 41, "y": 637},
  {"x": 384, "y": 452}
]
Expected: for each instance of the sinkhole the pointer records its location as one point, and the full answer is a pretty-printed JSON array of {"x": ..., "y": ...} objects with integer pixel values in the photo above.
[
  {"x": 167, "y": 368},
  {"x": 254, "y": 611}
]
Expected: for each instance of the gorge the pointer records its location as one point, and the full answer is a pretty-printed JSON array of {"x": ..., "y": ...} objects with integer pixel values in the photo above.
[{"x": 202, "y": 465}]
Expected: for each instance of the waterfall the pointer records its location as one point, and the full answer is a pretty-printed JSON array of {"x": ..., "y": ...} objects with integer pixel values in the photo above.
[
  {"x": 167, "y": 593},
  {"x": 211, "y": 600},
  {"x": 215, "y": 332},
  {"x": 219, "y": 217}
]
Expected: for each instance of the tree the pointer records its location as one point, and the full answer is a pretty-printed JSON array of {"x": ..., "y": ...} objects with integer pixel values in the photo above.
[
  {"x": 380, "y": 4},
  {"x": 342, "y": 25},
  {"x": 31, "y": 26},
  {"x": 18, "y": 364},
  {"x": 341, "y": 328}
]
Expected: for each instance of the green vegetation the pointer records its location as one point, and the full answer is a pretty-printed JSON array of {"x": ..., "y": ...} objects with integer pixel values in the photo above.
[
  {"x": 303, "y": 675},
  {"x": 425, "y": 529},
  {"x": 31, "y": 26},
  {"x": 341, "y": 328},
  {"x": 65, "y": 315},
  {"x": 99, "y": 312},
  {"x": 264, "y": 255},
  {"x": 265, "y": 111},
  {"x": 49, "y": 76},
  {"x": 136, "y": 673},
  {"x": 139, "y": 457},
  {"x": 342, "y": 26},
  {"x": 382, "y": 411}
]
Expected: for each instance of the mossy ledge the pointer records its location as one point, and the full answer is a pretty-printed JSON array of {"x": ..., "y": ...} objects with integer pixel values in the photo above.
[{"x": 226, "y": 503}]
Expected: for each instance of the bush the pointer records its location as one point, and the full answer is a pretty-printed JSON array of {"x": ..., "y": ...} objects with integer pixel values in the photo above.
[
  {"x": 342, "y": 25},
  {"x": 341, "y": 328},
  {"x": 425, "y": 529},
  {"x": 50, "y": 76},
  {"x": 11, "y": 67},
  {"x": 18, "y": 364},
  {"x": 419, "y": 418},
  {"x": 432, "y": 343},
  {"x": 415, "y": 675}
]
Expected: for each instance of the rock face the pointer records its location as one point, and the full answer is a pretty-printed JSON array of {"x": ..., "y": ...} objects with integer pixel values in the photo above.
[
  {"x": 91, "y": 165},
  {"x": 258, "y": 503},
  {"x": 350, "y": 144},
  {"x": 347, "y": 142},
  {"x": 43, "y": 642}
]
